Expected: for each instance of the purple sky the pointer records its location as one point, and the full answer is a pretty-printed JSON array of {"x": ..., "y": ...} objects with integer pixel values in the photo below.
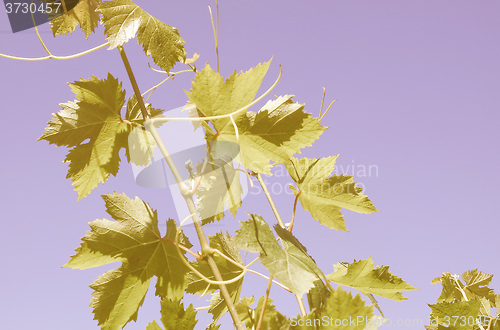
[{"x": 417, "y": 88}]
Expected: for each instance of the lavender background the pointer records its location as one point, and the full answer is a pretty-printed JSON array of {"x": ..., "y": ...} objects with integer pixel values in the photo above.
[{"x": 417, "y": 88}]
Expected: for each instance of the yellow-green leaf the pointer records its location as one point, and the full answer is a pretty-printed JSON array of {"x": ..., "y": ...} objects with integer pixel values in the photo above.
[
  {"x": 84, "y": 13},
  {"x": 324, "y": 195},
  {"x": 94, "y": 116},
  {"x": 455, "y": 315},
  {"x": 133, "y": 239},
  {"x": 279, "y": 130},
  {"x": 291, "y": 265},
  {"x": 363, "y": 276},
  {"x": 123, "y": 19},
  {"x": 272, "y": 319},
  {"x": 215, "y": 97},
  {"x": 340, "y": 311}
]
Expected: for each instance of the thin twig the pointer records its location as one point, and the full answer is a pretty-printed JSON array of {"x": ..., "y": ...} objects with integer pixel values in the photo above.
[
  {"x": 39, "y": 36},
  {"x": 153, "y": 89},
  {"x": 266, "y": 297},
  {"x": 270, "y": 200},
  {"x": 327, "y": 109},
  {"x": 164, "y": 120},
  {"x": 267, "y": 278},
  {"x": 196, "y": 255},
  {"x": 215, "y": 30},
  {"x": 54, "y": 57},
  {"x": 322, "y": 102},
  {"x": 293, "y": 213}
]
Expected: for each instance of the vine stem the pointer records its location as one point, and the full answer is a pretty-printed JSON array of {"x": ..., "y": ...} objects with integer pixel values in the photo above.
[
  {"x": 205, "y": 246},
  {"x": 278, "y": 218}
]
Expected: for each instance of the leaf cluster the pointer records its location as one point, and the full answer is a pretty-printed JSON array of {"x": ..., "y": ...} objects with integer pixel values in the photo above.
[
  {"x": 101, "y": 121},
  {"x": 465, "y": 303}
]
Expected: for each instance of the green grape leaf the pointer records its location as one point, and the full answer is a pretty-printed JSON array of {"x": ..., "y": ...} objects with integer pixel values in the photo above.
[
  {"x": 213, "y": 326},
  {"x": 84, "y": 13},
  {"x": 218, "y": 306},
  {"x": 477, "y": 283},
  {"x": 250, "y": 316},
  {"x": 226, "y": 245},
  {"x": 451, "y": 289},
  {"x": 279, "y": 130},
  {"x": 291, "y": 265},
  {"x": 153, "y": 326},
  {"x": 455, "y": 315},
  {"x": 123, "y": 19},
  {"x": 324, "y": 195},
  {"x": 133, "y": 239},
  {"x": 96, "y": 116},
  {"x": 219, "y": 187},
  {"x": 475, "y": 288},
  {"x": 175, "y": 317},
  {"x": 297, "y": 251},
  {"x": 363, "y": 276},
  {"x": 316, "y": 297},
  {"x": 215, "y": 97},
  {"x": 341, "y": 310}
]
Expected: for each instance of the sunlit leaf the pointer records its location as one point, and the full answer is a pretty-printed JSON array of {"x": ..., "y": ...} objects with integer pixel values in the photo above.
[
  {"x": 291, "y": 265},
  {"x": 123, "y": 19},
  {"x": 340, "y": 311},
  {"x": 83, "y": 13},
  {"x": 324, "y": 195},
  {"x": 363, "y": 276},
  {"x": 96, "y": 117},
  {"x": 272, "y": 319},
  {"x": 133, "y": 239}
]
